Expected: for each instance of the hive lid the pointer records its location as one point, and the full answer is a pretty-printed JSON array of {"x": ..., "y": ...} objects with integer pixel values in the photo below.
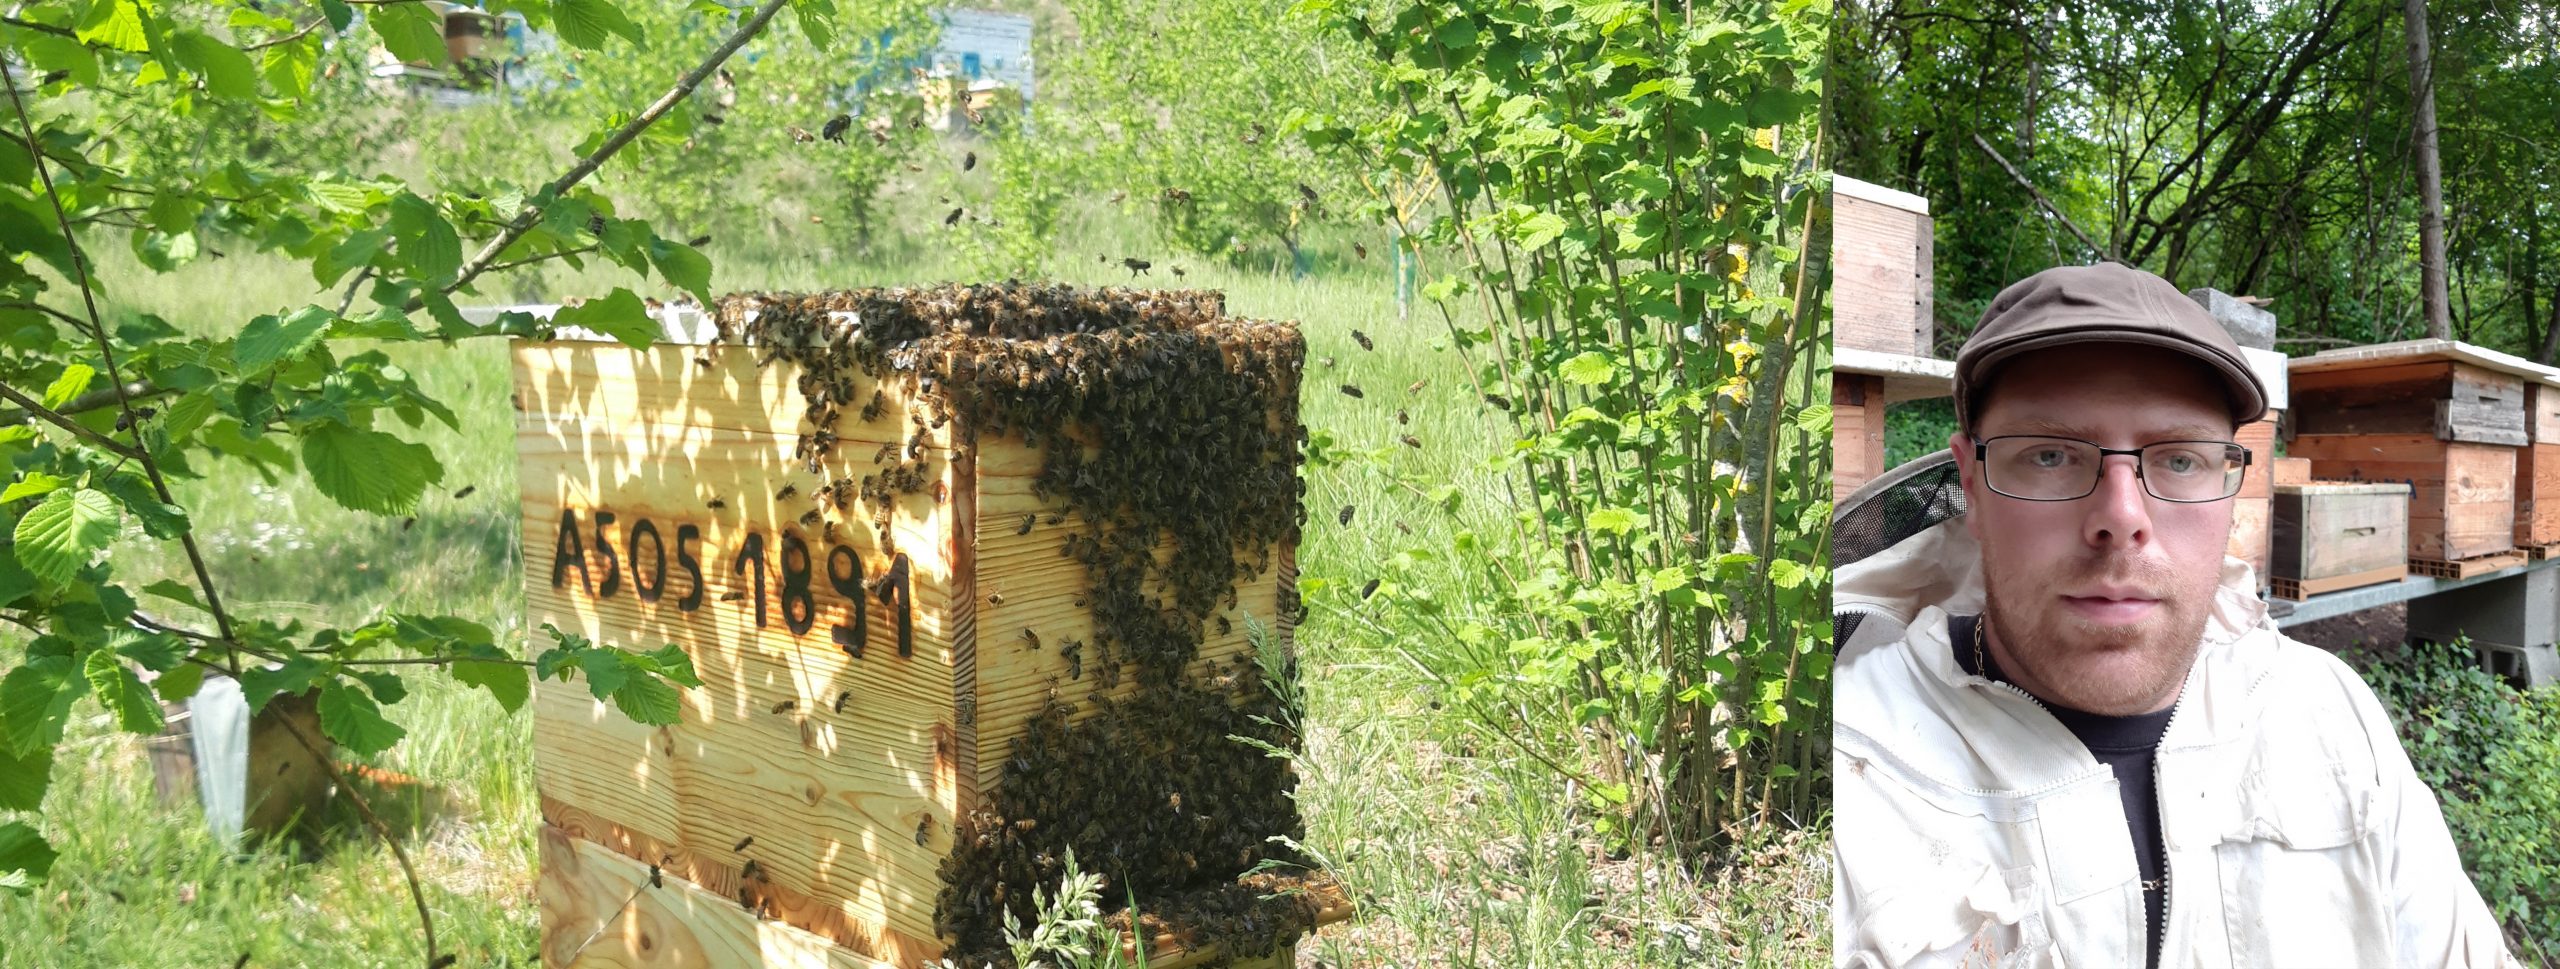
[
  {"x": 2345, "y": 488},
  {"x": 2421, "y": 351}
]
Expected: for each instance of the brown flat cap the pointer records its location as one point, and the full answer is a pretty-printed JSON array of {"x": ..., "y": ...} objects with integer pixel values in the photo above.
[{"x": 2105, "y": 303}]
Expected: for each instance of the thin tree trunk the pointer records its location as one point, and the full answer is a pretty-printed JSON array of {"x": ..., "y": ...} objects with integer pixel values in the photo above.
[{"x": 2431, "y": 265}]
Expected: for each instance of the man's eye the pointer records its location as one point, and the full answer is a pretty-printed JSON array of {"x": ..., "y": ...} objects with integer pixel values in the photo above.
[
  {"x": 2182, "y": 462},
  {"x": 2052, "y": 457}
]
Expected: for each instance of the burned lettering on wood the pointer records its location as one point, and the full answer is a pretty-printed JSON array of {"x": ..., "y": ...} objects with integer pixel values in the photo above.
[{"x": 799, "y": 598}]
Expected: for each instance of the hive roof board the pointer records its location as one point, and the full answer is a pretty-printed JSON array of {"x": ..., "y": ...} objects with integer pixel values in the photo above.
[
  {"x": 1906, "y": 377},
  {"x": 2421, "y": 351}
]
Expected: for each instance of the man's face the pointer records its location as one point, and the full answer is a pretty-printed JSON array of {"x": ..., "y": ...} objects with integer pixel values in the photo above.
[{"x": 2099, "y": 604}]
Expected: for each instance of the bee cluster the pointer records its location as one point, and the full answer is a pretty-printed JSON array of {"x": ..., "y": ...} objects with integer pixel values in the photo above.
[{"x": 1162, "y": 424}]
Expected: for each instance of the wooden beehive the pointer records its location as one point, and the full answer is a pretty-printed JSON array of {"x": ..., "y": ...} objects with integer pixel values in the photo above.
[
  {"x": 1857, "y": 431},
  {"x": 2446, "y": 418},
  {"x": 2538, "y": 468},
  {"x": 2250, "y": 509},
  {"x": 868, "y": 663},
  {"x": 1881, "y": 264},
  {"x": 2331, "y": 536}
]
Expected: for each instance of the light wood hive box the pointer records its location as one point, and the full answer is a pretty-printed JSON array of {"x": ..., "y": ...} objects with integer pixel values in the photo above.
[
  {"x": 2538, "y": 468},
  {"x": 867, "y": 664},
  {"x": 2333, "y": 536},
  {"x": 1857, "y": 432},
  {"x": 1881, "y": 256},
  {"x": 2250, "y": 509},
  {"x": 2449, "y": 428}
]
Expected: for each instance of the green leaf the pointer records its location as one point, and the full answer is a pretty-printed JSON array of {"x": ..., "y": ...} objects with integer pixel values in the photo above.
[
  {"x": 386, "y": 686},
  {"x": 122, "y": 693},
  {"x": 25, "y": 860},
  {"x": 261, "y": 683},
  {"x": 1815, "y": 420},
  {"x": 116, "y": 24},
  {"x": 1788, "y": 573},
  {"x": 1538, "y": 230},
  {"x": 15, "y": 580},
  {"x": 23, "y": 778},
  {"x": 817, "y": 20},
  {"x": 427, "y": 242},
  {"x": 268, "y": 340},
  {"x": 171, "y": 589},
  {"x": 586, "y": 23},
  {"x": 157, "y": 652},
  {"x": 180, "y": 682},
  {"x": 351, "y": 718},
  {"x": 35, "y": 485},
  {"x": 53, "y": 52},
  {"x": 35, "y": 701},
  {"x": 604, "y": 669},
  {"x": 672, "y": 662},
  {"x": 369, "y": 470},
  {"x": 1588, "y": 368},
  {"x": 647, "y": 699},
  {"x": 289, "y": 67},
  {"x": 159, "y": 519},
  {"x": 59, "y": 537},
  {"x": 226, "y": 71},
  {"x": 73, "y": 382},
  {"x": 410, "y": 31},
  {"x": 509, "y": 682},
  {"x": 621, "y": 316},
  {"x": 1615, "y": 521},
  {"x": 683, "y": 266}
]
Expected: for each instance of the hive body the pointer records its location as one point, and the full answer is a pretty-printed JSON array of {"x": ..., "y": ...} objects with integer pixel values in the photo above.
[{"x": 880, "y": 595}]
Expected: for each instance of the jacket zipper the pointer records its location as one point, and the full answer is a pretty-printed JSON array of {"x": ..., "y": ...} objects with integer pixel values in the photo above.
[{"x": 2168, "y": 861}]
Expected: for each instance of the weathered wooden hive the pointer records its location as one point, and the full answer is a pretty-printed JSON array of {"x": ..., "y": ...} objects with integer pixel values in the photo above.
[
  {"x": 971, "y": 577},
  {"x": 2446, "y": 418},
  {"x": 2538, "y": 470}
]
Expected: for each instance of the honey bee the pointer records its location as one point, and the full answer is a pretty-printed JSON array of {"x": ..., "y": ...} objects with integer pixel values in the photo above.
[
  {"x": 715, "y": 504},
  {"x": 1363, "y": 340},
  {"x": 786, "y": 492},
  {"x": 743, "y": 843},
  {"x": 1352, "y": 391},
  {"x": 1344, "y": 517},
  {"x": 1411, "y": 441},
  {"x": 1416, "y": 386},
  {"x": 785, "y": 706},
  {"x": 1369, "y": 589},
  {"x": 840, "y": 698},
  {"x": 1360, "y": 250},
  {"x": 1031, "y": 637},
  {"x": 1499, "y": 402},
  {"x": 1137, "y": 267},
  {"x": 732, "y": 596},
  {"x": 954, "y": 218},
  {"x": 1027, "y": 522}
]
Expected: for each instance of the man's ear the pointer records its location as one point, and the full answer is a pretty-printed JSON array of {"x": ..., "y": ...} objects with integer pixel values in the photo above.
[{"x": 1966, "y": 470}]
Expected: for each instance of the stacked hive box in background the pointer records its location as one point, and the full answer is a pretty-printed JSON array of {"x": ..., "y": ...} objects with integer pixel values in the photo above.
[
  {"x": 2538, "y": 470},
  {"x": 883, "y": 560},
  {"x": 2443, "y": 417},
  {"x": 1881, "y": 287},
  {"x": 1883, "y": 333},
  {"x": 2333, "y": 536},
  {"x": 2251, "y": 509}
]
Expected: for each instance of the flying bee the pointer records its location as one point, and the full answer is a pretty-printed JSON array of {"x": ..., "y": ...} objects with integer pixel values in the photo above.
[
  {"x": 1031, "y": 637},
  {"x": 1254, "y": 137},
  {"x": 954, "y": 218},
  {"x": 1344, "y": 518},
  {"x": 924, "y": 831},
  {"x": 1352, "y": 391},
  {"x": 465, "y": 492},
  {"x": 1177, "y": 270},
  {"x": 1411, "y": 441},
  {"x": 1369, "y": 589},
  {"x": 703, "y": 362},
  {"x": 406, "y": 522},
  {"x": 1416, "y": 386},
  {"x": 742, "y": 844},
  {"x": 732, "y": 596},
  {"x": 1225, "y": 627},
  {"x": 840, "y": 698},
  {"x": 1137, "y": 267},
  {"x": 815, "y": 515},
  {"x": 1360, "y": 250},
  {"x": 715, "y": 504},
  {"x": 1499, "y": 402},
  {"x": 786, "y": 706},
  {"x": 835, "y": 128},
  {"x": 1327, "y": 361},
  {"x": 1363, "y": 340},
  {"x": 1027, "y": 522},
  {"x": 1402, "y": 417},
  {"x": 1402, "y": 527},
  {"x": 786, "y": 492},
  {"x": 969, "y": 161}
]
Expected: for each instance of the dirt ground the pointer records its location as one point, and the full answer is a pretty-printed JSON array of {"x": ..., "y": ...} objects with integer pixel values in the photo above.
[{"x": 2382, "y": 630}]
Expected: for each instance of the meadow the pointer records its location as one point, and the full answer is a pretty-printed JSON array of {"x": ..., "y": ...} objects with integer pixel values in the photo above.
[{"x": 1460, "y": 848}]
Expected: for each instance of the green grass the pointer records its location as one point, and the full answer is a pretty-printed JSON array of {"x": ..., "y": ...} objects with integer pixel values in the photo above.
[{"x": 1460, "y": 851}]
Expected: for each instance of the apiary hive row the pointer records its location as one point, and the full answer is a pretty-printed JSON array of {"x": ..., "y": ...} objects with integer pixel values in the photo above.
[{"x": 970, "y": 576}]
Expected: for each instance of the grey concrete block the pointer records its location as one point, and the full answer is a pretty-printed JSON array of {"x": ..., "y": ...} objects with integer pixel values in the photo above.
[
  {"x": 2251, "y": 326},
  {"x": 2521, "y": 610}
]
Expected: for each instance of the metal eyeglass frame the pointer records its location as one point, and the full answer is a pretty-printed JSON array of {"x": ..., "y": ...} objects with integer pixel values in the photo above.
[{"x": 1982, "y": 454}]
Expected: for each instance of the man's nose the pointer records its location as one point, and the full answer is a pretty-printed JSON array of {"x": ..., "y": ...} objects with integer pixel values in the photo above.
[{"x": 2119, "y": 513}]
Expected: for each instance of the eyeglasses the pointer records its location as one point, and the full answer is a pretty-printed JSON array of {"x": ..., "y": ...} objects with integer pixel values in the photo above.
[{"x": 2035, "y": 468}]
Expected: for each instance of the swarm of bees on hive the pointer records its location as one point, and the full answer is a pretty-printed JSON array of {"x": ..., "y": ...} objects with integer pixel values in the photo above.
[{"x": 1159, "y": 422}]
